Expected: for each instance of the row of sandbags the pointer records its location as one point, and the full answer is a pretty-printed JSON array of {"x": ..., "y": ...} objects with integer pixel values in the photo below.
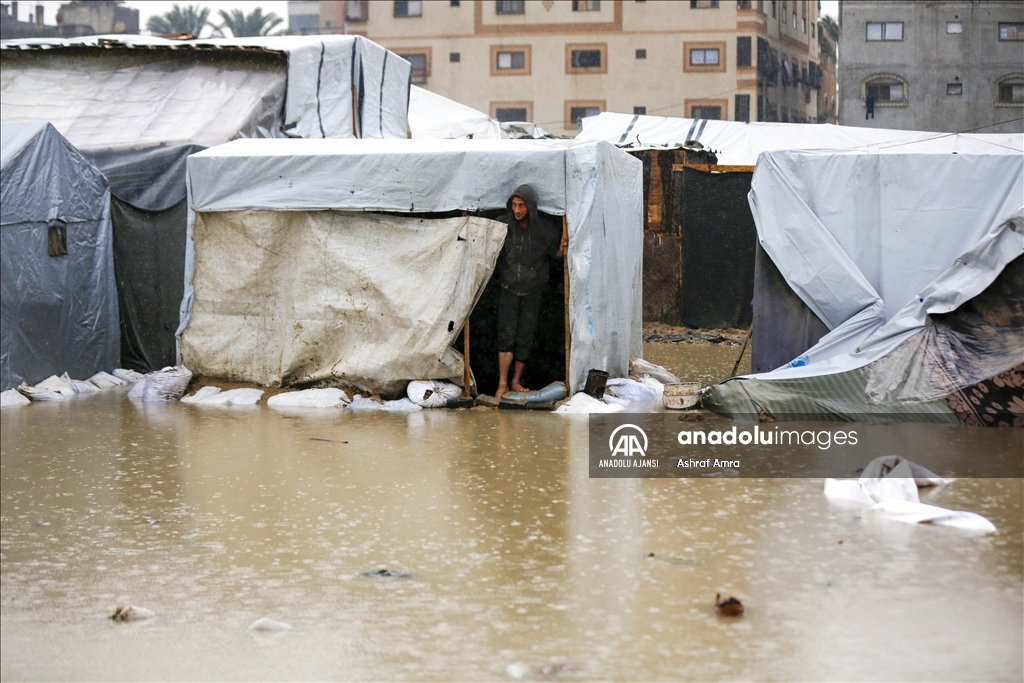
[{"x": 55, "y": 388}]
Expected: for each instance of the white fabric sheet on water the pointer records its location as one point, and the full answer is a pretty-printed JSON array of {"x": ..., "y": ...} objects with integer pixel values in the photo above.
[
  {"x": 310, "y": 398},
  {"x": 584, "y": 404},
  {"x": 213, "y": 396},
  {"x": 889, "y": 485},
  {"x": 294, "y": 297}
]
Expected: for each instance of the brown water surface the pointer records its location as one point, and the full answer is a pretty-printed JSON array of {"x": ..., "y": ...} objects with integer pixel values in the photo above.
[{"x": 214, "y": 517}]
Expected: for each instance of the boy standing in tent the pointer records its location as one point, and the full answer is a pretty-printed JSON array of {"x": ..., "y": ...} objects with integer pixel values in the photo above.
[{"x": 523, "y": 271}]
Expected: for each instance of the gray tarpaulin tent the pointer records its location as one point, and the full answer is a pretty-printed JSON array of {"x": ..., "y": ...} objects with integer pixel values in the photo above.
[
  {"x": 59, "y": 300},
  {"x": 137, "y": 106},
  {"x": 912, "y": 263},
  {"x": 292, "y": 281}
]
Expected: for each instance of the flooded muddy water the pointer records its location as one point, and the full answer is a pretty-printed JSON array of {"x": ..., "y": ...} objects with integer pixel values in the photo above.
[{"x": 215, "y": 517}]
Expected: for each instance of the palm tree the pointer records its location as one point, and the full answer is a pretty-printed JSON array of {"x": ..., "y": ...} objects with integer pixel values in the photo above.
[
  {"x": 255, "y": 24},
  {"x": 191, "y": 19}
]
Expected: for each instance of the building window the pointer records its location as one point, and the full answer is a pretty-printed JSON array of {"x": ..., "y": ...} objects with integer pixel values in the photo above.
[
  {"x": 575, "y": 110},
  {"x": 885, "y": 31},
  {"x": 954, "y": 27},
  {"x": 506, "y": 114},
  {"x": 455, "y": 3},
  {"x": 773, "y": 9},
  {"x": 1011, "y": 31},
  {"x": 641, "y": 53},
  {"x": 794, "y": 18},
  {"x": 743, "y": 108},
  {"x": 420, "y": 61},
  {"x": 510, "y": 6},
  {"x": 743, "y": 50},
  {"x": 357, "y": 10},
  {"x": 510, "y": 60},
  {"x": 803, "y": 24},
  {"x": 1010, "y": 91},
  {"x": 706, "y": 112},
  {"x": 454, "y": 57},
  {"x": 586, "y": 5},
  {"x": 586, "y": 58},
  {"x": 812, "y": 30},
  {"x": 703, "y": 4},
  {"x": 954, "y": 88},
  {"x": 639, "y": 111},
  {"x": 744, "y": 4},
  {"x": 408, "y": 8},
  {"x": 704, "y": 57},
  {"x": 885, "y": 90}
]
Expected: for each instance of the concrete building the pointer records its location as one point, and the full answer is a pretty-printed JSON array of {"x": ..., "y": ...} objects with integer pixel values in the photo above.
[
  {"x": 11, "y": 28},
  {"x": 942, "y": 66},
  {"x": 90, "y": 18},
  {"x": 555, "y": 61}
]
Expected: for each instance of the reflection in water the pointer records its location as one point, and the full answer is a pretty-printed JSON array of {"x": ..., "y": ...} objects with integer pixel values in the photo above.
[{"x": 215, "y": 517}]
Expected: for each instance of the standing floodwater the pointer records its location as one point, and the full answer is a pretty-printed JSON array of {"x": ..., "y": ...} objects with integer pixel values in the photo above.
[{"x": 502, "y": 557}]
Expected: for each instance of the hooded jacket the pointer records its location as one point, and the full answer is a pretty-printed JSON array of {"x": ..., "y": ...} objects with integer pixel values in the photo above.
[{"x": 523, "y": 263}]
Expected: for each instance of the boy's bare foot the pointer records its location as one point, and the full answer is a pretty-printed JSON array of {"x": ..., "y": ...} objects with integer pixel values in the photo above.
[
  {"x": 500, "y": 392},
  {"x": 518, "y": 387}
]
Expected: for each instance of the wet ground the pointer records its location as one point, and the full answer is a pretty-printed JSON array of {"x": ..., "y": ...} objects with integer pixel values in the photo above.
[{"x": 516, "y": 561}]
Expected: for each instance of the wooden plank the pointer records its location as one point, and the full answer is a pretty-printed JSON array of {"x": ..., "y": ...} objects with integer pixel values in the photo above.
[
  {"x": 714, "y": 168},
  {"x": 565, "y": 280},
  {"x": 465, "y": 360}
]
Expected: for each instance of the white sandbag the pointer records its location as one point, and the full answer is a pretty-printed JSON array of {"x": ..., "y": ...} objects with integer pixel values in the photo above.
[
  {"x": 639, "y": 368},
  {"x": 432, "y": 393},
  {"x": 168, "y": 384},
  {"x": 613, "y": 400},
  {"x": 584, "y": 404},
  {"x": 213, "y": 396},
  {"x": 402, "y": 405},
  {"x": 39, "y": 394},
  {"x": 309, "y": 398},
  {"x": 79, "y": 387},
  {"x": 125, "y": 375},
  {"x": 630, "y": 390},
  {"x": 11, "y": 398},
  {"x": 54, "y": 383},
  {"x": 104, "y": 380}
]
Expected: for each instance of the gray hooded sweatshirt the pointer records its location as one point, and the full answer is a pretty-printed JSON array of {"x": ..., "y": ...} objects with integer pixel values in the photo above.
[{"x": 523, "y": 263}]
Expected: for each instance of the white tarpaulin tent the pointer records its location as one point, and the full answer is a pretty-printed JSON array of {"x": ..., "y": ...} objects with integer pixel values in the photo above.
[
  {"x": 434, "y": 117},
  {"x": 740, "y": 144},
  {"x": 59, "y": 301},
  {"x": 137, "y": 106},
  {"x": 880, "y": 246},
  {"x": 298, "y": 197}
]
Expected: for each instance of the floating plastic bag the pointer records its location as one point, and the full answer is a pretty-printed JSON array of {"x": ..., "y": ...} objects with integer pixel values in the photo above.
[
  {"x": 79, "y": 387},
  {"x": 103, "y": 380},
  {"x": 639, "y": 368},
  {"x": 54, "y": 383},
  {"x": 39, "y": 394},
  {"x": 584, "y": 404},
  {"x": 630, "y": 390},
  {"x": 432, "y": 393},
  {"x": 167, "y": 384},
  {"x": 309, "y": 398},
  {"x": 12, "y": 397},
  {"x": 213, "y": 396},
  {"x": 125, "y": 375}
]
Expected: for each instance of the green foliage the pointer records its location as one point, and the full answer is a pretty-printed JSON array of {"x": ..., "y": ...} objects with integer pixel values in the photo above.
[
  {"x": 191, "y": 19},
  {"x": 254, "y": 24}
]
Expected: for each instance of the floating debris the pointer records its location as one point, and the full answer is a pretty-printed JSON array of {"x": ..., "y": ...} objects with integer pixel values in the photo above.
[
  {"x": 387, "y": 574},
  {"x": 268, "y": 625},
  {"x": 730, "y": 607},
  {"x": 131, "y": 613},
  {"x": 317, "y": 438},
  {"x": 690, "y": 337}
]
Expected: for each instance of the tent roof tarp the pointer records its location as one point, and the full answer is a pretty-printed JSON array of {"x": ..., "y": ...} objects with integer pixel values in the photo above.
[
  {"x": 435, "y": 117},
  {"x": 114, "y": 92},
  {"x": 739, "y": 144},
  {"x": 597, "y": 187}
]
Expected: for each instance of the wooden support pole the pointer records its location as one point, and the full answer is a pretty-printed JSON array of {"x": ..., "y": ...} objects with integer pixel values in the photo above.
[
  {"x": 466, "y": 373},
  {"x": 565, "y": 280}
]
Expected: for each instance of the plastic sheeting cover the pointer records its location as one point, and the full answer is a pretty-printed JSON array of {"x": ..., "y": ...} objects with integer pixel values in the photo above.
[
  {"x": 434, "y": 117},
  {"x": 59, "y": 313},
  {"x": 285, "y": 298}
]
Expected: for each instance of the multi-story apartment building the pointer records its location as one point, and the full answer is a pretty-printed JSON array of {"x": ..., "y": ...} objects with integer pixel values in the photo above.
[
  {"x": 555, "y": 61},
  {"x": 942, "y": 66}
]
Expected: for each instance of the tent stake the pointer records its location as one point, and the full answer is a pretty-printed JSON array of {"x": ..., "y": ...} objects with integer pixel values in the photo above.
[{"x": 745, "y": 340}]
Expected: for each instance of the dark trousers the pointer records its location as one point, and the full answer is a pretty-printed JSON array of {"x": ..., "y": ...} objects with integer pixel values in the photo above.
[{"x": 517, "y": 322}]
